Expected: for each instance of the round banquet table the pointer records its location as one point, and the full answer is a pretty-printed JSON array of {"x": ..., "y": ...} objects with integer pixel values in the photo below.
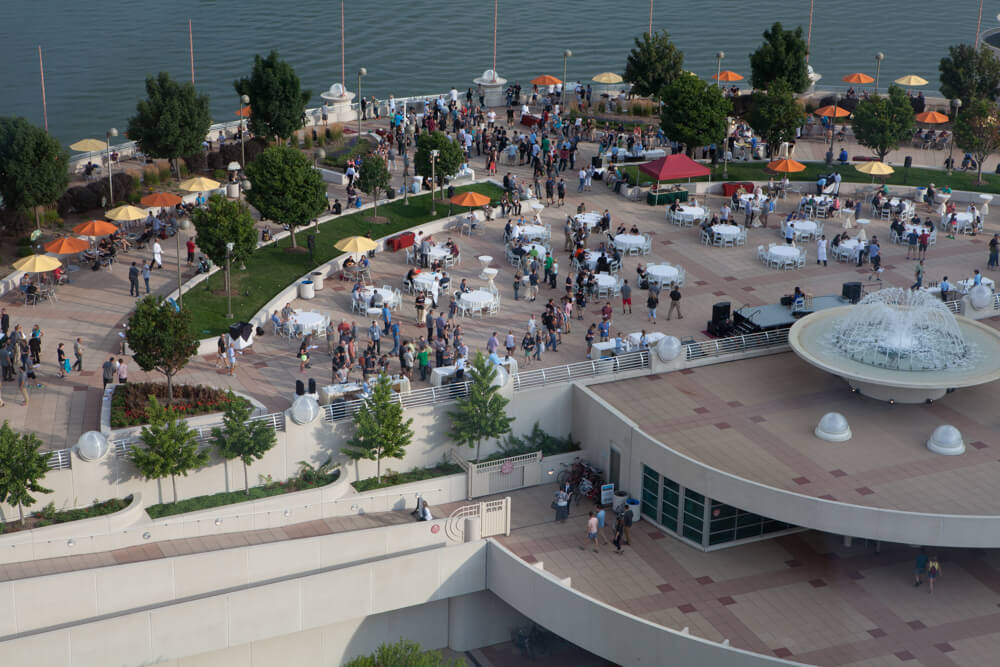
[
  {"x": 964, "y": 220},
  {"x": 628, "y": 241},
  {"x": 438, "y": 252},
  {"x": 426, "y": 281},
  {"x": 307, "y": 320},
  {"x": 386, "y": 294},
  {"x": 689, "y": 212},
  {"x": 528, "y": 247},
  {"x": 783, "y": 252},
  {"x": 726, "y": 231},
  {"x": 803, "y": 227},
  {"x": 588, "y": 220},
  {"x": 747, "y": 198},
  {"x": 480, "y": 298},
  {"x": 533, "y": 232},
  {"x": 605, "y": 280},
  {"x": 662, "y": 273}
]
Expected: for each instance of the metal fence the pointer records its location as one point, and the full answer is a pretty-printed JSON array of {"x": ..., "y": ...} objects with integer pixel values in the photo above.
[
  {"x": 736, "y": 344},
  {"x": 60, "y": 459}
]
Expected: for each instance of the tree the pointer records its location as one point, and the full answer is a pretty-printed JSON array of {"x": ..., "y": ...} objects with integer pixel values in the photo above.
[
  {"x": 781, "y": 56},
  {"x": 22, "y": 468},
  {"x": 977, "y": 131},
  {"x": 286, "y": 187},
  {"x": 277, "y": 101},
  {"x": 403, "y": 653},
  {"x": 883, "y": 123},
  {"x": 653, "y": 63},
  {"x": 160, "y": 336},
  {"x": 694, "y": 112},
  {"x": 379, "y": 429},
  {"x": 482, "y": 413},
  {"x": 967, "y": 73},
  {"x": 171, "y": 446},
  {"x": 373, "y": 179},
  {"x": 448, "y": 162},
  {"x": 775, "y": 114},
  {"x": 224, "y": 221},
  {"x": 172, "y": 121},
  {"x": 34, "y": 168},
  {"x": 240, "y": 438}
]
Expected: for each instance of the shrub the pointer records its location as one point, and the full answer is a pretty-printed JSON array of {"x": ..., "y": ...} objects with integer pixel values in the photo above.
[
  {"x": 164, "y": 173},
  {"x": 25, "y": 252},
  {"x": 335, "y": 132},
  {"x": 534, "y": 441},
  {"x": 253, "y": 148},
  {"x": 77, "y": 199},
  {"x": 321, "y": 140},
  {"x": 49, "y": 515},
  {"x": 307, "y": 143},
  {"x": 392, "y": 478},
  {"x": 196, "y": 162},
  {"x": 129, "y": 403},
  {"x": 601, "y": 106},
  {"x": 216, "y": 160},
  {"x": 220, "y": 175},
  {"x": 151, "y": 177},
  {"x": 51, "y": 218}
]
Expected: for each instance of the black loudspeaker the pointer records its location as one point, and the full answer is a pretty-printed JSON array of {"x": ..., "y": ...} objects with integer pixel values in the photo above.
[
  {"x": 908, "y": 162},
  {"x": 851, "y": 292},
  {"x": 300, "y": 388},
  {"x": 596, "y": 161},
  {"x": 720, "y": 312},
  {"x": 312, "y": 386}
]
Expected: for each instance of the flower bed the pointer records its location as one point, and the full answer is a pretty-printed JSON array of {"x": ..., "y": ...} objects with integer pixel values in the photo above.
[
  {"x": 49, "y": 515},
  {"x": 129, "y": 402},
  {"x": 392, "y": 478},
  {"x": 268, "y": 489}
]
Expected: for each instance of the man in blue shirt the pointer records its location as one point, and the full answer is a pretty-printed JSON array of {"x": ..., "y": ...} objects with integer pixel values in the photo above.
[{"x": 386, "y": 318}]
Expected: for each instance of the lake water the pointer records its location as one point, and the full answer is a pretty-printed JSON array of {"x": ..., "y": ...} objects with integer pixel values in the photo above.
[{"x": 97, "y": 55}]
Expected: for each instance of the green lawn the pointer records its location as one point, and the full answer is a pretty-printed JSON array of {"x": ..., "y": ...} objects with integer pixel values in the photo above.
[
  {"x": 273, "y": 268},
  {"x": 755, "y": 171}
]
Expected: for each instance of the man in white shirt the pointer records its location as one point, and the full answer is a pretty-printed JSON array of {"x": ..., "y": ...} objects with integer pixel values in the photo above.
[
  {"x": 453, "y": 93},
  {"x": 158, "y": 254},
  {"x": 491, "y": 118},
  {"x": 460, "y": 369}
]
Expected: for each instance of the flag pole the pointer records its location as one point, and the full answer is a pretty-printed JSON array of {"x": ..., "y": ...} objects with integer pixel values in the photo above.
[
  {"x": 496, "y": 4},
  {"x": 191, "y": 49},
  {"x": 41, "y": 68},
  {"x": 343, "y": 81},
  {"x": 810, "y": 35}
]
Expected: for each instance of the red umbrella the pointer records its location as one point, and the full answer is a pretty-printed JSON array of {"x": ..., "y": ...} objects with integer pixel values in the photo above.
[{"x": 674, "y": 166}]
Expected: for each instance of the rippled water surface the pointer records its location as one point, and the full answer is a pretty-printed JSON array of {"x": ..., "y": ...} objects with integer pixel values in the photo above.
[{"x": 97, "y": 54}]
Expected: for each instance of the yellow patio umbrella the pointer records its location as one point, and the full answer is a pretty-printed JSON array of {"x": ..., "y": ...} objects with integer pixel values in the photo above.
[
  {"x": 786, "y": 166},
  {"x": 875, "y": 168},
  {"x": 199, "y": 184},
  {"x": 66, "y": 246},
  {"x": 126, "y": 212},
  {"x": 931, "y": 117},
  {"x": 37, "y": 264},
  {"x": 89, "y": 145},
  {"x": 355, "y": 244},
  {"x": 607, "y": 77},
  {"x": 911, "y": 80}
]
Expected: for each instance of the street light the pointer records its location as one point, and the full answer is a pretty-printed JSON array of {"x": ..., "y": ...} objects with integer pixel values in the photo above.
[
  {"x": 434, "y": 156},
  {"x": 567, "y": 54},
  {"x": 361, "y": 72},
  {"x": 879, "y": 57},
  {"x": 113, "y": 132},
  {"x": 229, "y": 286},
  {"x": 833, "y": 129},
  {"x": 956, "y": 104},
  {"x": 244, "y": 100},
  {"x": 718, "y": 67}
]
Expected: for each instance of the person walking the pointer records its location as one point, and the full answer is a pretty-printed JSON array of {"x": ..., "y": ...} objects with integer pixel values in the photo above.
[
  {"x": 158, "y": 254},
  {"x": 994, "y": 260},
  {"x": 61, "y": 360},
  {"x": 375, "y": 336},
  {"x": 918, "y": 273},
  {"x": 190, "y": 250},
  {"x": 133, "y": 280},
  {"x": 22, "y": 383},
  {"x": 626, "y": 297},
  {"x": 652, "y": 301},
  {"x": 933, "y": 571},
  {"x": 122, "y": 371},
  {"x": 78, "y": 355},
  {"x": 627, "y": 525},
  {"x": 920, "y": 567},
  {"x": 108, "y": 371},
  {"x": 231, "y": 358},
  {"x": 619, "y": 532},
  {"x": 821, "y": 250},
  {"x": 675, "y": 303},
  {"x": 601, "y": 525},
  {"x": 146, "y": 266},
  {"x": 591, "y": 533},
  {"x": 560, "y": 504}
]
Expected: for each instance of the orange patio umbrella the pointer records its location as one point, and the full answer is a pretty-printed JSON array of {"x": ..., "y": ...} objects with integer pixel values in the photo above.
[
  {"x": 786, "y": 166},
  {"x": 161, "y": 199},
  {"x": 727, "y": 75},
  {"x": 859, "y": 77},
  {"x": 931, "y": 117},
  {"x": 95, "y": 228},
  {"x": 832, "y": 112},
  {"x": 244, "y": 112},
  {"x": 546, "y": 80},
  {"x": 66, "y": 246},
  {"x": 470, "y": 199}
]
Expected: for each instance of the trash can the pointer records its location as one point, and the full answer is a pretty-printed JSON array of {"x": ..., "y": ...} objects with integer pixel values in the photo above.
[
  {"x": 317, "y": 278},
  {"x": 233, "y": 190},
  {"x": 633, "y": 506},
  {"x": 619, "y": 502},
  {"x": 306, "y": 290}
]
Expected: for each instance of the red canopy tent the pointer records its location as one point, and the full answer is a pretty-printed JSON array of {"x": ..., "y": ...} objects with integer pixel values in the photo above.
[{"x": 673, "y": 167}]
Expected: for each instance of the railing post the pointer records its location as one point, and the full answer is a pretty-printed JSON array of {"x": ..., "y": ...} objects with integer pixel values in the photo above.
[{"x": 506, "y": 515}]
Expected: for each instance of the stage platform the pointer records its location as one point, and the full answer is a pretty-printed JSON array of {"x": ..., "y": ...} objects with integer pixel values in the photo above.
[{"x": 753, "y": 319}]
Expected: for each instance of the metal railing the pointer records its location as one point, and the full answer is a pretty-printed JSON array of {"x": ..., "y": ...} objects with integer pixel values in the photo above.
[
  {"x": 203, "y": 434},
  {"x": 735, "y": 344},
  {"x": 493, "y": 515},
  {"x": 341, "y": 410},
  {"x": 61, "y": 459}
]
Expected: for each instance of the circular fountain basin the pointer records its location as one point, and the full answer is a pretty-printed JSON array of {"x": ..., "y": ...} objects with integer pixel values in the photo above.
[{"x": 810, "y": 337}]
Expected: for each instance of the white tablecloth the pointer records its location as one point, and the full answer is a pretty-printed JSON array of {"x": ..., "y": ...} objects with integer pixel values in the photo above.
[
  {"x": 964, "y": 220},
  {"x": 605, "y": 280},
  {"x": 588, "y": 220},
  {"x": 626, "y": 241},
  {"x": 426, "y": 280},
  {"x": 531, "y": 232},
  {"x": 386, "y": 294},
  {"x": 477, "y": 297},
  {"x": 662, "y": 273},
  {"x": 438, "y": 252},
  {"x": 726, "y": 231},
  {"x": 590, "y": 258},
  {"x": 689, "y": 212},
  {"x": 850, "y": 246},
  {"x": 782, "y": 252},
  {"x": 308, "y": 321},
  {"x": 748, "y": 198},
  {"x": 651, "y": 337},
  {"x": 801, "y": 227}
]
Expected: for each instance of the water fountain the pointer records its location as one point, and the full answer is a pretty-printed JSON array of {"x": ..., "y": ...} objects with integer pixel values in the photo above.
[{"x": 899, "y": 345}]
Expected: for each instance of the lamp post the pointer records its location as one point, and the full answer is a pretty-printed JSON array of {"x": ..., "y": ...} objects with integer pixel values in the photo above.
[
  {"x": 177, "y": 238},
  {"x": 833, "y": 128},
  {"x": 567, "y": 54},
  {"x": 244, "y": 101},
  {"x": 879, "y": 57},
  {"x": 956, "y": 104},
  {"x": 434, "y": 156},
  {"x": 229, "y": 286},
  {"x": 406, "y": 173},
  {"x": 113, "y": 132},
  {"x": 361, "y": 72},
  {"x": 718, "y": 67}
]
